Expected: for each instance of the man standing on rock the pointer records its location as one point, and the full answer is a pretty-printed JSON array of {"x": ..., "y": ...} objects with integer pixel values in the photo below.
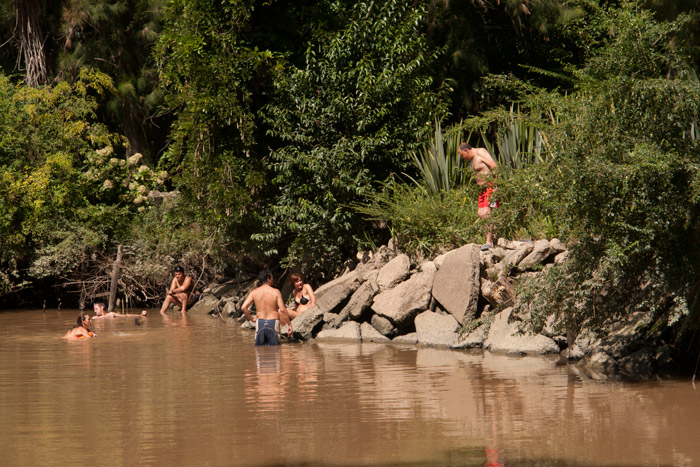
[
  {"x": 482, "y": 165},
  {"x": 270, "y": 310}
]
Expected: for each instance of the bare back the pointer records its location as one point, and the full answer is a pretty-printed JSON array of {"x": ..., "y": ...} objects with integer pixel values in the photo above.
[
  {"x": 482, "y": 164},
  {"x": 268, "y": 301}
]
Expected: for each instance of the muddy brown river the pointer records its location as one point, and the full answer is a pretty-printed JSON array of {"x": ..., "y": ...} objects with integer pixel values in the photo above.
[{"x": 196, "y": 392}]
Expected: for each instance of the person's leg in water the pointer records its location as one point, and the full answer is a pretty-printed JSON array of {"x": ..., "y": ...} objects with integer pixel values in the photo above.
[
  {"x": 177, "y": 299},
  {"x": 285, "y": 319}
]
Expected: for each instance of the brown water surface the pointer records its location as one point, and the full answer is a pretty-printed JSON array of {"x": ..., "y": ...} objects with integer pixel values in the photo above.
[{"x": 196, "y": 392}]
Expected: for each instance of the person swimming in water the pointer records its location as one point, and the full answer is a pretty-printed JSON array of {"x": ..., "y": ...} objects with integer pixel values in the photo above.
[
  {"x": 99, "y": 309},
  {"x": 304, "y": 298},
  {"x": 81, "y": 331}
]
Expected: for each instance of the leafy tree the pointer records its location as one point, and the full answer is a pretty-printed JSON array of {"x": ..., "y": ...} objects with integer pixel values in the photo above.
[
  {"x": 210, "y": 71},
  {"x": 117, "y": 38},
  {"x": 625, "y": 177},
  {"x": 344, "y": 122},
  {"x": 65, "y": 190}
]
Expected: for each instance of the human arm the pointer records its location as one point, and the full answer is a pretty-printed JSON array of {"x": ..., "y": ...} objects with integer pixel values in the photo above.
[
  {"x": 186, "y": 285},
  {"x": 284, "y": 315},
  {"x": 246, "y": 304},
  {"x": 312, "y": 296}
]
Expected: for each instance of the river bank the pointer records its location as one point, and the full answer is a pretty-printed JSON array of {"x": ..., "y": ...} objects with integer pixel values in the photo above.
[{"x": 463, "y": 299}]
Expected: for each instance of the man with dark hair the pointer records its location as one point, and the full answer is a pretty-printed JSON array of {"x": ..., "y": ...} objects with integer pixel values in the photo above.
[
  {"x": 180, "y": 292},
  {"x": 482, "y": 165},
  {"x": 270, "y": 310},
  {"x": 100, "y": 312}
]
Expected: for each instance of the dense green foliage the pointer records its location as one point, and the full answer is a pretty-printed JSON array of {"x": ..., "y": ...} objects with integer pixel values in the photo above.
[
  {"x": 347, "y": 120},
  {"x": 65, "y": 188}
]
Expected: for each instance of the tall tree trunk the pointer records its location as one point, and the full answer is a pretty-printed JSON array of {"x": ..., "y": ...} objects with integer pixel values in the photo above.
[
  {"x": 31, "y": 40},
  {"x": 116, "y": 270}
]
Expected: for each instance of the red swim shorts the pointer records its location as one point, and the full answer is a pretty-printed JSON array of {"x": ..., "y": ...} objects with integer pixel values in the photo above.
[{"x": 485, "y": 199}]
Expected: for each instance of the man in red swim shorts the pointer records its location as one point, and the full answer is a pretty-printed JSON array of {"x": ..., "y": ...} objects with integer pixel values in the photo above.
[{"x": 482, "y": 165}]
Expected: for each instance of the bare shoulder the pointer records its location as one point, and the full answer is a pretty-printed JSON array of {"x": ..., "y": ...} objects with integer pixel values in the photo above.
[{"x": 486, "y": 157}]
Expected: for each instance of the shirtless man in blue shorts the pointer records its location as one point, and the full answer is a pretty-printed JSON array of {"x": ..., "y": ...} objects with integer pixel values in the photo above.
[{"x": 270, "y": 311}]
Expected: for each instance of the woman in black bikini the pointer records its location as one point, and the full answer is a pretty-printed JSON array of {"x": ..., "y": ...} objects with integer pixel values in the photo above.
[{"x": 304, "y": 298}]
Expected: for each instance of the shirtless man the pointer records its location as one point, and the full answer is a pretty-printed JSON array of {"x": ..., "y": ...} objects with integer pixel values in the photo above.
[
  {"x": 482, "y": 165},
  {"x": 270, "y": 311},
  {"x": 180, "y": 292},
  {"x": 99, "y": 309}
]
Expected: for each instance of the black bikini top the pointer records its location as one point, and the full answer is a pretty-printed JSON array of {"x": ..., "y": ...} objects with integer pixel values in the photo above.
[{"x": 303, "y": 301}]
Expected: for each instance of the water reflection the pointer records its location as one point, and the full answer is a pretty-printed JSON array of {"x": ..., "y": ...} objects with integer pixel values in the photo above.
[{"x": 193, "y": 390}]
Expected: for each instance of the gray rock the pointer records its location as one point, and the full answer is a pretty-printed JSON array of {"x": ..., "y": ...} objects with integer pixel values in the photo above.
[
  {"x": 439, "y": 260},
  {"x": 219, "y": 290},
  {"x": 369, "y": 334},
  {"x": 473, "y": 340},
  {"x": 556, "y": 246},
  {"x": 359, "y": 303},
  {"x": 514, "y": 257},
  {"x": 410, "y": 338},
  {"x": 349, "y": 330},
  {"x": 456, "y": 285},
  {"x": 584, "y": 344},
  {"x": 436, "y": 329},
  {"x": 206, "y": 303},
  {"x": 539, "y": 253},
  {"x": 561, "y": 257},
  {"x": 335, "y": 292},
  {"x": 306, "y": 323},
  {"x": 402, "y": 303},
  {"x": 383, "y": 325},
  {"x": 230, "y": 308},
  {"x": 504, "y": 337}
]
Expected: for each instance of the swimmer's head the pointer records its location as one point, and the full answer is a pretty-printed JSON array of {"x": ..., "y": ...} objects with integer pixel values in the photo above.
[
  {"x": 179, "y": 269},
  {"x": 99, "y": 308},
  {"x": 83, "y": 319}
]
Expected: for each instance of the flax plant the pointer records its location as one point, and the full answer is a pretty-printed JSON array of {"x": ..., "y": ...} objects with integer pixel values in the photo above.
[
  {"x": 438, "y": 162},
  {"x": 519, "y": 144}
]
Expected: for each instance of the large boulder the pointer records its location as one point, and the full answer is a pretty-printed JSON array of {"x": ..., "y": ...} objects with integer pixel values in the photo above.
[
  {"x": 335, "y": 292},
  {"x": 393, "y": 272},
  {"x": 473, "y": 340},
  {"x": 383, "y": 325},
  {"x": 436, "y": 329},
  {"x": 410, "y": 338},
  {"x": 513, "y": 258},
  {"x": 306, "y": 323},
  {"x": 230, "y": 308},
  {"x": 403, "y": 303},
  {"x": 504, "y": 336},
  {"x": 540, "y": 252},
  {"x": 348, "y": 331},
  {"x": 359, "y": 303},
  {"x": 369, "y": 334},
  {"x": 207, "y": 302},
  {"x": 456, "y": 285}
]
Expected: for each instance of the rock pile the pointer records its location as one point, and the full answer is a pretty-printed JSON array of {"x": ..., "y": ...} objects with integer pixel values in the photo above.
[{"x": 385, "y": 299}]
